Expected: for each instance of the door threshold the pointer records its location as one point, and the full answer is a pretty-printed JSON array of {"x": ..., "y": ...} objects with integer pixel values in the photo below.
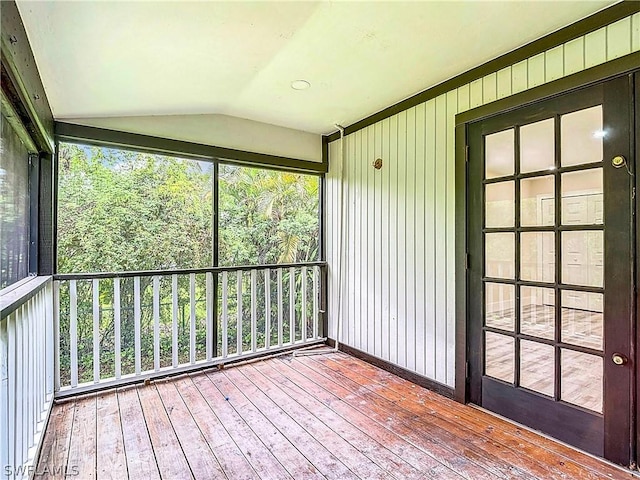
[{"x": 626, "y": 470}]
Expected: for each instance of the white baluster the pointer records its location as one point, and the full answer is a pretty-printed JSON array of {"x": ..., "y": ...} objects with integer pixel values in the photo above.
[
  {"x": 73, "y": 331},
  {"x": 96, "y": 330},
  {"x": 225, "y": 314},
  {"x": 136, "y": 324},
  {"x": 267, "y": 309},
  {"x": 174, "y": 320},
  {"x": 254, "y": 310},
  {"x": 116, "y": 327}
]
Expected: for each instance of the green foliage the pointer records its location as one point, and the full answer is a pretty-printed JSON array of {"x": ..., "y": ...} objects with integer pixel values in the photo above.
[
  {"x": 267, "y": 217},
  {"x": 120, "y": 211}
]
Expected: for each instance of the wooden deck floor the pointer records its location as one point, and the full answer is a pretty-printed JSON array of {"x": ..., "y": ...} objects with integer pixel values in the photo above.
[{"x": 329, "y": 416}]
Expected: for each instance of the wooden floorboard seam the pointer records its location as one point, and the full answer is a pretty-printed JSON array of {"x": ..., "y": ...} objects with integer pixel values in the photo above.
[
  {"x": 257, "y": 406},
  {"x": 378, "y": 447},
  {"x": 126, "y": 463},
  {"x": 197, "y": 426},
  {"x": 541, "y": 441},
  {"x": 68, "y": 449},
  {"x": 478, "y": 440},
  {"x": 380, "y": 427},
  {"x": 310, "y": 417},
  {"x": 201, "y": 458},
  {"x": 196, "y": 399},
  {"x": 333, "y": 437},
  {"x": 271, "y": 466},
  {"x": 468, "y": 418},
  {"x": 184, "y": 453},
  {"x": 509, "y": 455},
  {"x": 130, "y": 404},
  {"x": 166, "y": 439},
  {"x": 289, "y": 429},
  {"x": 465, "y": 467}
]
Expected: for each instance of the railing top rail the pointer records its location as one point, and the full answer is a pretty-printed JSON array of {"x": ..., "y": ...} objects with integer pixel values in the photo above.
[
  {"x": 151, "y": 273},
  {"x": 13, "y": 297}
]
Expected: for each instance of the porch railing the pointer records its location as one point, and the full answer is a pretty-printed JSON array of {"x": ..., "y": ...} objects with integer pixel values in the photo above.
[
  {"x": 26, "y": 372},
  {"x": 116, "y": 328}
]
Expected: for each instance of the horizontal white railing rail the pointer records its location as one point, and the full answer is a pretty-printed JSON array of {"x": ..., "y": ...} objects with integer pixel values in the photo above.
[
  {"x": 117, "y": 328},
  {"x": 26, "y": 373}
]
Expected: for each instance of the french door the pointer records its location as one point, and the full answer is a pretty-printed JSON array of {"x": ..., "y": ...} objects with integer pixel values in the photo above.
[{"x": 551, "y": 248}]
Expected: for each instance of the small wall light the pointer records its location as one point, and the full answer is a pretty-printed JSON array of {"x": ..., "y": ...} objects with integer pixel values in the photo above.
[{"x": 377, "y": 164}]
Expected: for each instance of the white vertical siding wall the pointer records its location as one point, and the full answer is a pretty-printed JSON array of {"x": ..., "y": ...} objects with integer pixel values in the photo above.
[{"x": 397, "y": 223}]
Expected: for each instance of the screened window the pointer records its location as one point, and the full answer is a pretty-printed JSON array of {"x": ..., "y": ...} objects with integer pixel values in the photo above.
[
  {"x": 14, "y": 207},
  {"x": 122, "y": 210},
  {"x": 267, "y": 217}
]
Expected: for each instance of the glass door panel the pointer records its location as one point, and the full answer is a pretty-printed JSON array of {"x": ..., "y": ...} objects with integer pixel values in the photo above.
[
  {"x": 500, "y": 204},
  {"x": 582, "y": 258},
  {"x": 499, "y": 154},
  {"x": 537, "y": 312},
  {"x": 537, "y": 256},
  {"x": 500, "y": 255},
  {"x": 582, "y": 197},
  {"x": 582, "y": 379},
  {"x": 546, "y": 208},
  {"x": 583, "y": 319},
  {"x": 581, "y": 135},
  {"x": 500, "y": 356},
  {"x": 537, "y": 362},
  {"x": 537, "y": 206},
  {"x": 537, "y": 146},
  {"x": 500, "y": 306}
]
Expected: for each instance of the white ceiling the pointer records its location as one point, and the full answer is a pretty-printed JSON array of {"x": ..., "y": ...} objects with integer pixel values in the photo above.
[{"x": 114, "y": 59}]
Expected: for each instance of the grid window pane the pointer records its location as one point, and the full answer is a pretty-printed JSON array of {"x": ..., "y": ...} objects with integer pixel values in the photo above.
[
  {"x": 537, "y": 206},
  {"x": 582, "y": 379},
  {"x": 581, "y": 135},
  {"x": 499, "y": 204},
  {"x": 582, "y": 197},
  {"x": 583, "y": 319},
  {"x": 537, "y": 256},
  {"x": 499, "y": 154},
  {"x": 583, "y": 258},
  {"x": 537, "y": 364},
  {"x": 537, "y": 146},
  {"x": 499, "y": 356},
  {"x": 537, "y": 312},
  {"x": 500, "y": 255},
  {"x": 500, "y": 306}
]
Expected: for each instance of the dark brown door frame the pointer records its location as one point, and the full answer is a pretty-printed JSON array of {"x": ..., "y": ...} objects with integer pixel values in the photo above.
[{"x": 609, "y": 70}]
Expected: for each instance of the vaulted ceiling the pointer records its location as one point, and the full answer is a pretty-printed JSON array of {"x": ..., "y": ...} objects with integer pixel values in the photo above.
[{"x": 119, "y": 59}]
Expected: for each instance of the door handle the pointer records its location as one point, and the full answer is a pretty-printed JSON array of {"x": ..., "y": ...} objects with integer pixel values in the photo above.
[{"x": 619, "y": 359}]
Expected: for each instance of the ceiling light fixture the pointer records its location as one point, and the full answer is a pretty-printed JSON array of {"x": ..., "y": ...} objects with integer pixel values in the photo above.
[{"x": 300, "y": 85}]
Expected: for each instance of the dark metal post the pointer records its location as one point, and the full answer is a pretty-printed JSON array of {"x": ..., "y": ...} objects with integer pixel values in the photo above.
[
  {"x": 215, "y": 255},
  {"x": 34, "y": 187}
]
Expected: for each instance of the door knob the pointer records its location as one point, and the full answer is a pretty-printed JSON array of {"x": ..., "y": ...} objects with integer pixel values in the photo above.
[
  {"x": 618, "y": 161},
  {"x": 619, "y": 359}
]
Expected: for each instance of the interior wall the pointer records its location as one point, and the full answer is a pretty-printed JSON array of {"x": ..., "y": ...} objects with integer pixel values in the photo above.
[
  {"x": 398, "y": 223},
  {"x": 218, "y": 130}
]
